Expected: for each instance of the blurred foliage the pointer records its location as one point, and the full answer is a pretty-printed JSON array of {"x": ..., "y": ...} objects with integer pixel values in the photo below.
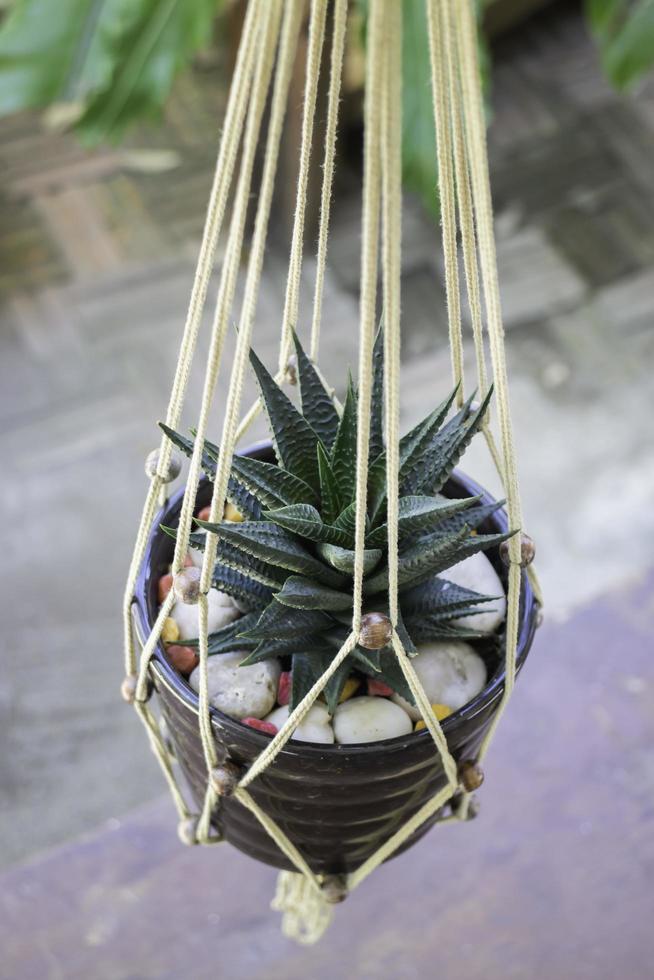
[
  {"x": 104, "y": 63},
  {"x": 624, "y": 30},
  {"x": 101, "y": 65}
]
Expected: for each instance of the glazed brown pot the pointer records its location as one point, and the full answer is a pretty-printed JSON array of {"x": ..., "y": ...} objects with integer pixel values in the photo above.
[{"x": 337, "y": 803}]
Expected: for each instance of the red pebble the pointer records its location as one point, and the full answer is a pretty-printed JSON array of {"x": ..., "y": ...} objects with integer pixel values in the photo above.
[
  {"x": 284, "y": 687},
  {"x": 204, "y": 514},
  {"x": 260, "y": 725},
  {"x": 379, "y": 689},
  {"x": 188, "y": 561},
  {"x": 183, "y": 659},
  {"x": 164, "y": 586}
]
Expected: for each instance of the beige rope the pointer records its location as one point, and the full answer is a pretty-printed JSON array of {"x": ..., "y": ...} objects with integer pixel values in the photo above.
[
  {"x": 292, "y": 299},
  {"x": 446, "y": 193},
  {"x": 235, "y": 113},
  {"x": 336, "y": 71}
]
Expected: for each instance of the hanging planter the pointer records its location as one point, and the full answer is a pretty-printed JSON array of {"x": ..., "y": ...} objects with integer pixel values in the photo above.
[
  {"x": 336, "y": 803},
  {"x": 332, "y": 578}
]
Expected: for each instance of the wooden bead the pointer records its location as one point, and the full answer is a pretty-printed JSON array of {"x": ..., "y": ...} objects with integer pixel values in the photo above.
[
  {"x": 334, "y": 889},
  {"x": 471, "y": 775},
  {"x": 172, "y": 471},
  {"x": 186, "y": 585},
  {"x": 376, "y": 631},
  {"x": 128, "y": 689},
  {"x": 187, "y": 831},
  {"x": 527, "y": 551},
  {"x": 225, "y": 778}
]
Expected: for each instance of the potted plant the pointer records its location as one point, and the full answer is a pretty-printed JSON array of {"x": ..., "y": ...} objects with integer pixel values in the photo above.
[{"x": 360, "y": 765}]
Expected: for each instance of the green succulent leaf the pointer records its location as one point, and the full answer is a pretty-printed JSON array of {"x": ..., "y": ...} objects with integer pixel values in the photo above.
[
  {"x": 420, "y": 513},
  {"x": 304, "y": 593},
  {"x": 293, "y": 438},
  {"x": 272, "y": 485},
  {"x": 387, "y": 669},
  {"x": 285, "y": 647},
  {"x": 343, "y": 559},
  {"x": 431, "y": 468},
  {"x": 228, "y": 639},
  {"x": 305, "y": 521},
  {"x": 276, "y": 547},
  {"x": 346, "y": 521},
  {"x": 280, "y": 622},
  {"x": 431, "y": 628},
  {"x": 377, "y": 397},
  {"x": 331, "y": 499},
  {"x": 344, "y": 451},
  {"x": 317, "y": 404},
  {"x": 237, "y": 492},
  {"x": 241, "y": 587},
  {"x": 439, "y": 597}
]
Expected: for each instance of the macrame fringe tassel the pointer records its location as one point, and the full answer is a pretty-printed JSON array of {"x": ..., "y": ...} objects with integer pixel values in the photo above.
[{"x": 305, "y": 914}]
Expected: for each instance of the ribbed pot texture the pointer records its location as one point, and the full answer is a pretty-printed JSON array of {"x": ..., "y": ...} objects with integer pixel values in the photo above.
[{"x": 337, "y": 803}]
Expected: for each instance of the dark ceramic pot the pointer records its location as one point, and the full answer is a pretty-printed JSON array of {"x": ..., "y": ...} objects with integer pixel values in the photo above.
[{"x": 337, "y": 803}]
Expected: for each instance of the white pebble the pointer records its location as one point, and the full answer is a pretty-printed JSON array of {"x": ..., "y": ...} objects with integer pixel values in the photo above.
[
  {"x": 451, "y": 673},
  {"x": 316, "y": 726},
  {"x": 221, "y": 612},
  {"x": 240, "y": 692},
  {"x": 367, "y": 719},
  {"x": 477, "y": 573}
]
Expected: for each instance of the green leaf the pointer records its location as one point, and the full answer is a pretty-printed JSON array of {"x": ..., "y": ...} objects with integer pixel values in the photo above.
[
  {"x": 387, "y": 669},
  {"x": 304, "y": 674},
  {"x": 425, "y": 558},
  {"x": 377, "y": 487},
  {"x": 304, "y": 520},
  {"x": 274, "y": 546},
  {"x": 153, "y": 40},
  {"x": 232, "y": 557},
  {"x": 293, "y": 438},
  {"x": 439, "y": 597},
  {"x": 241, "y": 587},
  {"x": 344, "y": 451},
  {"x": 377, "y": 397},
  {"x": 317, "y": 404},
  {"x": 280, "y": 622},
  {"x": 432, "y": 628},
  {"x": 334, "y": 686},
  {"x": 343, "y": 559},
  {"x": 228, "y": 639},
  {"x": 346, "y": 521},
  {"x": 331, "y": 501},
  {"x": 420, "y": 513},
  {"x": 433, "y": 463},
  {"x": 237, "y": 492},
  {"x": 46, "y": 58},
  {"x": 285, "y": 647},
  {"x": 624, "y": 30},
  {"x": 413, "y": 444},
  {"x": 304, "y": 593},
  {"x": 270, "y": 484}
]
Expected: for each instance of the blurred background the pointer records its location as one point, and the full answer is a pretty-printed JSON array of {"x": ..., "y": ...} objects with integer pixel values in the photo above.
[{"x": 111, "y": 115}]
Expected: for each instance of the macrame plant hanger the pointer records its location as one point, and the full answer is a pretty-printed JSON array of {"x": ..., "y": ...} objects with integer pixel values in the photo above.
[{"x": 262, "y": 77}]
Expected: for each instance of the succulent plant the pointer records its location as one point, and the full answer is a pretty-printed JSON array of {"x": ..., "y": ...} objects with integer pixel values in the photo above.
[{"x": 290, "y": 562}]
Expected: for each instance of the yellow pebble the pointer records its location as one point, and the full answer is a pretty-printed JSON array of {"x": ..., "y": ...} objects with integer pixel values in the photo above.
[
  {"x": 170, "y": 631},
  {"x": 351, "y": 685},
  {"x": 232, "y": 513},
  {"x": 440, "y": 710}
]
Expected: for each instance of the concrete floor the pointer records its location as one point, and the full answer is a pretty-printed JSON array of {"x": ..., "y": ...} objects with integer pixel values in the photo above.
[{"x": 96, "y": 259}]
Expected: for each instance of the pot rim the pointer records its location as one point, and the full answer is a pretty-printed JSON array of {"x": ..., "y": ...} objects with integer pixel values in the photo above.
[{"x": 182, "y": 690}]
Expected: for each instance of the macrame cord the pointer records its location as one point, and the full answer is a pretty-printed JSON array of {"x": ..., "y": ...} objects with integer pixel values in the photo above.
[{"x": 265, "y": 58}]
